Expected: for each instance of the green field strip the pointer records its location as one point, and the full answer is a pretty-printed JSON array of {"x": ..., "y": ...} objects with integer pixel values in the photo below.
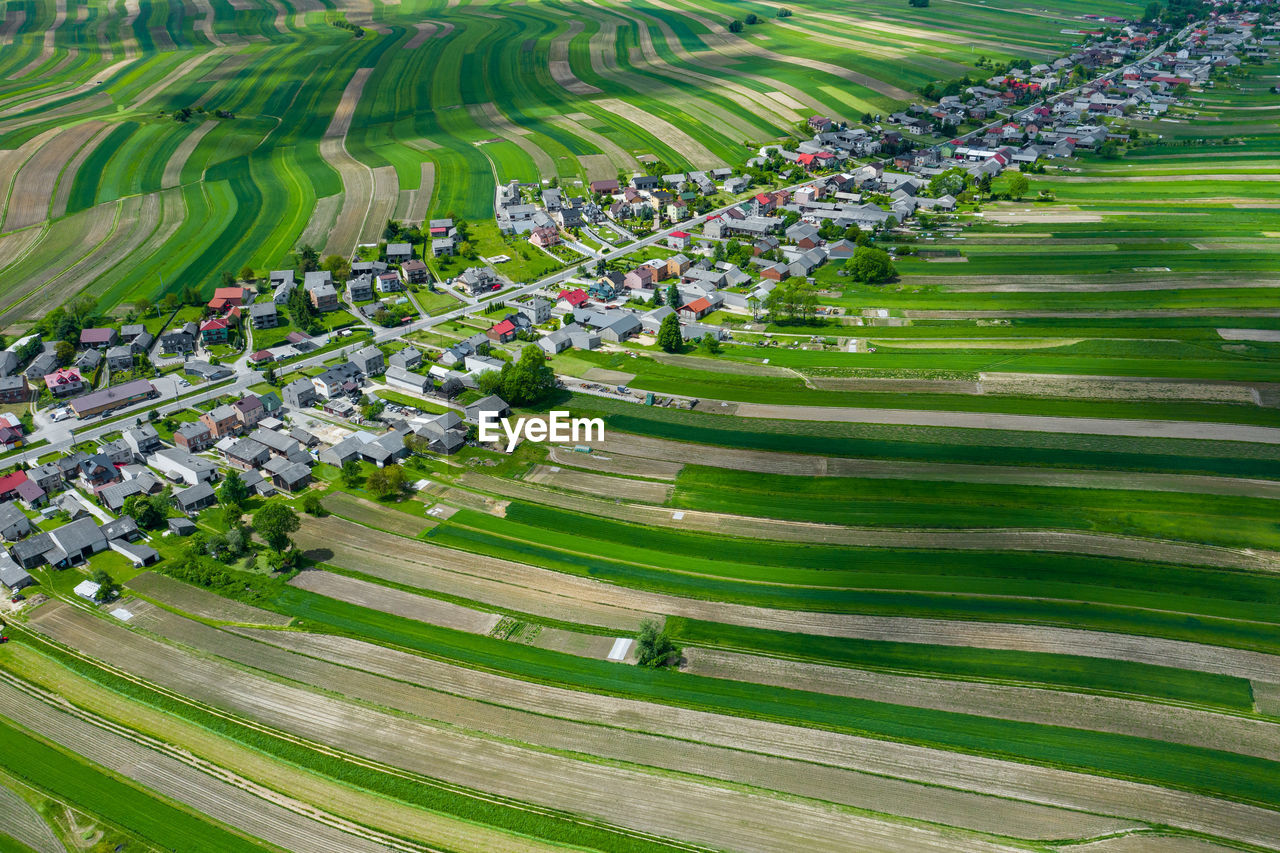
[
  {"x": 90, "y": 788},
  {"x": 914, "y": 502},
  {"x": 772, "y": 390},
  {"x": 686, "y": 557},
  {"x": 1206, "y": 359},
  {"x": 940, "y": 444},
  {"x": 907, "y": 595},
  {"x": 1064, "y": 672}
]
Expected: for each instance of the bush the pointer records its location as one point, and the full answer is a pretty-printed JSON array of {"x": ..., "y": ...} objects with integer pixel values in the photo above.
[
  {"x": 655, "y": 647},
  {"x": 311, "y": 505}
]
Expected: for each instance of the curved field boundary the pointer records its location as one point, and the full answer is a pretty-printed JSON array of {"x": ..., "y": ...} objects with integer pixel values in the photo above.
[
  {"x": 41, "y": 175},
  {"x": 1027, "y": 704},
  {"x": 12, "y": 161},
  {"x": 561, "y": 71},
  {"x": 683, "y": 143},
  {"x": 621, "y": 159},
  {"x": 172, "y": 176},
  {"x": 1028, "y": 423},
  {"x": 47, "y": 45},
  {"x": 23, "y": 823},
  {"x": 14, "y": 18},
  {"x": 488, "y": 117},
  {"x": 166, "y": 83},
  {"x": 414, "y": 204},
  {"x": 357, "y": 178},
  {"x": 681, "y": 807},
  {"x": 73, "y": 239},
  {"x": 58, "y": 205},
  {"x": 425, "y": 30},
  {"x": 737, "y": 47}
]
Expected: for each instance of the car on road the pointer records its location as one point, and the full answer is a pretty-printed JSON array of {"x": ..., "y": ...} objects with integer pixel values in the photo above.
[{"x": 18, "y": 597}]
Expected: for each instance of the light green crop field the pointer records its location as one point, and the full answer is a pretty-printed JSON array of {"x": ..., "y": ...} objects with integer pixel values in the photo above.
[{"x": 984, "y": 559}]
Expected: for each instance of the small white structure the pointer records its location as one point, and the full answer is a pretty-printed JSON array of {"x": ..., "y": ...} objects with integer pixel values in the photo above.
[{"x": 87, "y": 590}]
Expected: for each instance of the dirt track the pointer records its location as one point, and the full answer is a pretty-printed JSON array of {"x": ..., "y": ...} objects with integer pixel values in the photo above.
[{"x": 357, "y": 178}]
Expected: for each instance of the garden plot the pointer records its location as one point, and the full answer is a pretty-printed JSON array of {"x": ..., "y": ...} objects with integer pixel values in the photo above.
[
  {"x": 24, "y": 824},
  {"x": 374, "y": 515},
  {"x": 200, "y": 602},
  {"x": 616, "y": 463},
  {"x": 1112, "y": 388},
  {"x": 418, "y": 607},
  {"x": 596, "y": 484},
  {"x": 1266, "y": 694}
]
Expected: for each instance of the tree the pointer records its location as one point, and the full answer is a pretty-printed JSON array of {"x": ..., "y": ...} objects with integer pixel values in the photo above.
[
  {"x": 654, "y": 647},
  {"x": 529, "y": 379},
  {"x": 108, "y": 589},
  {"x": 233, "y": 492},
  {"x": 709, "y": 344},
  {"x": 751, "y": 20},
  {"x": 919, "y": 4},
  {"x": 1151, "y": 13},
  {"x": 311, "y": 505},
  {"x": 143, "y": 306},
  {"x": 735, "y": 26},
  {"x": 65, "y": 352},
  {"x": 148, "y": 511},
  {"x": 669, "y": 334},
  {"x": 274, "y": 522},
  {"x": 351, "y": 472},
  {"x": 339, "y": 266},
  {"x": 385, "y": 482},
  {"x": 228, "y": 278},
  {"x": 673, "y": 297},
  {"x": 1109, "y": 150},
  {"x": 308, "y": 258},
  {"x": 246, "y": 273},
  {"x": 1018, "y": 185},
  {"x": 872, "y": 266}
]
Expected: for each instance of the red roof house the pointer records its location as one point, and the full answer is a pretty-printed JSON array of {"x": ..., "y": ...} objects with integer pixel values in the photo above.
[
  {"x": 575, "y": 297},
  {"x": 502, "y": 332}
]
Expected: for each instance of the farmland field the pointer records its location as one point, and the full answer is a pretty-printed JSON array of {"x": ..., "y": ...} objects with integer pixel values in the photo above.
[{"x": 980, "y": 558}]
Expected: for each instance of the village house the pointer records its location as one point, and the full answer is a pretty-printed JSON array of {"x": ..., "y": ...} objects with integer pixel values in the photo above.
[
  {"x": 14, "y": 389},
  {"x": 66, "y": 382},
  {"x": 369, "y": 361},
  {"x": 415, "y": 271},
  {"x": 221, "y": 421},
  {"x": 264, "y": 315},
  {"x": 299, "y": 394},
  {"x": 215, "y": 330},
  {"x": 98, "y": 338}
]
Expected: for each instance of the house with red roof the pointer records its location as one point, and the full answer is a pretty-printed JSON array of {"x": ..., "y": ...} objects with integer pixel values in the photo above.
[
  {"x": 215, "y": 331},
  {"x": 230, "y": 297},
  {"x": 9, "y": 484},
  {"x": 502, "y": 332},
  {"x": 679, "y": 240},
  {"x": 696, "y": 310},
  {"x": 65, "y": 382},
  {"x": 576, "y": 297}
]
